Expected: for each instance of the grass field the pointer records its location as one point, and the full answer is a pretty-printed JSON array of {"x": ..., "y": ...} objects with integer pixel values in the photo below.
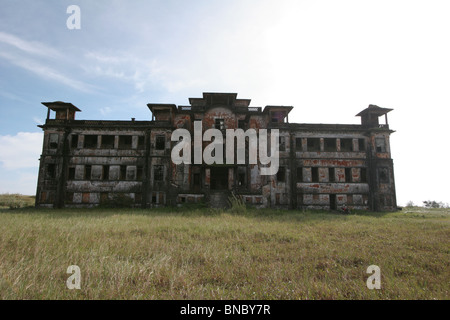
[{"x": 206, "y": 254}]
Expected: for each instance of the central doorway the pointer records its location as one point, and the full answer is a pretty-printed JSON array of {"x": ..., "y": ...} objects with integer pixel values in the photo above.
[{"x": 219, "y": 178}]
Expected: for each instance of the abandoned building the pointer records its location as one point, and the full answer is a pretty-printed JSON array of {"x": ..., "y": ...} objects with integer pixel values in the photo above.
[{"x": 85, "y": 163}]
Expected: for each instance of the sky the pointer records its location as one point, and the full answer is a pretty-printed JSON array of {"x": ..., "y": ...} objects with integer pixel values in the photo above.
[{"x": 328, "y": 59}]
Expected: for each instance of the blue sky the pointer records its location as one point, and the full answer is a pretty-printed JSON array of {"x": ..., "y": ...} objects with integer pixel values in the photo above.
[{"x": 328, "y": 59}]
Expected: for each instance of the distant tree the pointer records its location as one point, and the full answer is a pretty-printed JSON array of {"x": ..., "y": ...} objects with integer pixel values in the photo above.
[
  {"x": 410, "y": 204},
  {"x": 434, "y": 204}
]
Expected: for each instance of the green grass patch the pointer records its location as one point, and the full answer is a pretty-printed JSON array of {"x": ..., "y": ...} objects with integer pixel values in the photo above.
[
  {"x": 15, "y": 201},
  {"x": 200, "y": 253}
]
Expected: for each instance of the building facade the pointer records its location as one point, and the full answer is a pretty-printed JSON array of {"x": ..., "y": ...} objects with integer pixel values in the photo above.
[{"x": 86, "y": 163}]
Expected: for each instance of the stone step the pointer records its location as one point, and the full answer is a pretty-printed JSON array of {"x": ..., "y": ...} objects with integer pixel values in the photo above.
[{"x": 219, "y": 199}]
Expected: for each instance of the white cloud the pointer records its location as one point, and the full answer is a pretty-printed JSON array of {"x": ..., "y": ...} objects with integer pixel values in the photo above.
[
  {"x": 46, "y": 72},
  {"x": 32, "y": 47},
  {"x": 21, "y": 150},
  {"x": 37, "y": 57}
]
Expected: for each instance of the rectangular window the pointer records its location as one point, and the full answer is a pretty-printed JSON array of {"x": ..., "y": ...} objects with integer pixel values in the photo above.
[
  {"x": 123, "y": 173},
  {"x": 315, "y": 174},
  {"x": 242, "y": 176},
  {"x": 363, "y": 175},
  {"x": 241, "y": 179},
  {"x": 50, "y": 171},
  {"x": 361, "y": 145},
  {"x": 105, "y": 174},
  {"x": 137, "y": 197},
  {"x": 313, "y": 144},
  {"x": 160, "y": 142},
  {"x": 346, "y": 145},
  {"x": 380, "y": 144},
  {"x": 125, "y": 142},
  {"x": 139, "y": 173},
  {"x": 87, "y": 172},
  {"x": 383, "y": 175},
  {"x": 71, "y": 175},
  {"x": 298, "y": 144},
  {"x": 282, "y": 145},
  {"x": 69, "y": 197},
  {"x": 90, "y": 141},
  {"x": 158, "y": 173},
  {"x": 281, "y": 174},
  {"x": 53, "y": 141},
  {"x": 141, "y": 142},
  {"x": 299, "y": 174},
  {"x": 331, "y": 177},
  {"x": 348, "y": 174},
  {"x": 108, "y": 142},
  {"x": 196, "y": 179},
  {"x": 74, "y": 142},
  {"x": 220, "y": 124},
  {"x": 329, "y": 144}
]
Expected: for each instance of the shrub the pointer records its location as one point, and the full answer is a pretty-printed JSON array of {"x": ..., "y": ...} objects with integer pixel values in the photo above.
[{"x": 237, "y": 204}]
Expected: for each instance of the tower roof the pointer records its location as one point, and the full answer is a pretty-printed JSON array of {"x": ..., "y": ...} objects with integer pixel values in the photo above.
[
  {"x": 60, "y": 105},
  {"x": 375, "y": 110}
]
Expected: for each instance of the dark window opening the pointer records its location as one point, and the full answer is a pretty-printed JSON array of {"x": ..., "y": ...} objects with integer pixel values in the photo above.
[
  {"x": 108, "y": 142},
  {"x": 298, "y": 144},
  {"x": 50, "y": 171},
  {"x": 196, "y": 179},
  {"x": 141, "y": 142},
  {"x": 158, "y": 173},
  {"x": 241, "y": 180},
  {"x": 346, "y": 145},
  {"x": 281, "y": 174},
  {"x": 313, "y": 144},
  {"x": 315, "y": 174},
  {"x": 242, "y": 177},
  {"x": 220, "y": 124},
  {"x": 69, "y": 197},
  {"x": 274, "y": 120},
  {"x": 53, "y": 141},
  {"x": 87, "y": 172},
  {"x": 300, "y": 174},
  {"x": 380, "y": 145},
  {"x": 139, "y": 173},
  {"x": 138, "y": 197},
  {"x": 331, "y": 177},
  {"x": 71, "y": 173},
  {"x": 348, "y": 175},
  {"x": 123, "y": 173},
  {"x": 282, "y": 143},
  {"x": 160, "y": 143},
  {"x": 383, "y": 174},
  {"x": 105, "y": 173},
  {"x": 361, "y": 145},
  {"x": 333, "y": 202},
  {"x": 125, "y": 142},
  {"x": 90, "y": 141},
  {"x": 154, "y": 197},
  {"x": 329, "y": 144},
  {"x": 74, "y": 143},
  {"x": 363, "y": 175}
]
